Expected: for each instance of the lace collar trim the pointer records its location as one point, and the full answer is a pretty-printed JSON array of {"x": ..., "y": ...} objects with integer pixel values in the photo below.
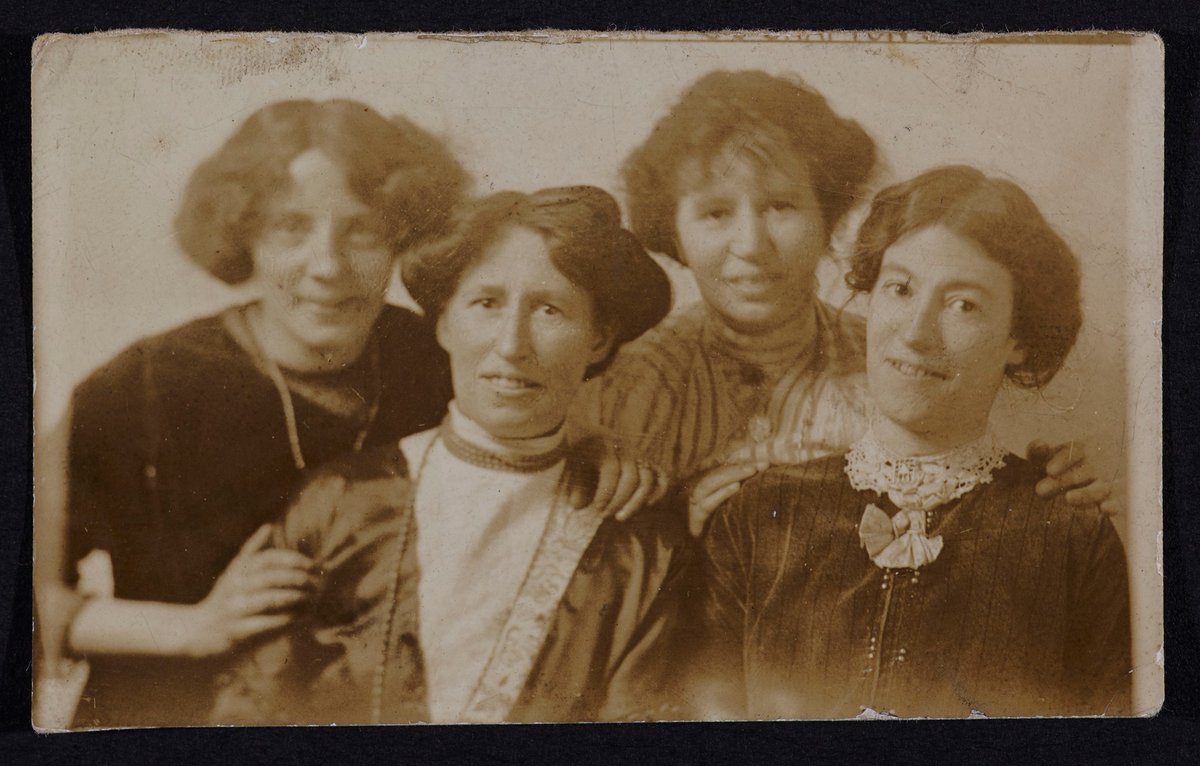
[{"x": 926, "y": 481}]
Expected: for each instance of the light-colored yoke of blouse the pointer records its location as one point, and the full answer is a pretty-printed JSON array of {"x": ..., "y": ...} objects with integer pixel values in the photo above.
[
  {"x": 678, "y": 399},
  {"x": 477, "y": 532}
]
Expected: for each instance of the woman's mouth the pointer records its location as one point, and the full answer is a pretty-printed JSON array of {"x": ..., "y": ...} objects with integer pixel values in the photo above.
[
  {"x": 918, "y": 371},
  {"x": 333, "y": 306},
  {"x": 512, "y": 383},
  {"x": 754, "y": 284}
]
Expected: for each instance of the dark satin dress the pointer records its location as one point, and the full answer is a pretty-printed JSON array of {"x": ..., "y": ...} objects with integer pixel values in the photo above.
[{"x": 355, "y": 656}]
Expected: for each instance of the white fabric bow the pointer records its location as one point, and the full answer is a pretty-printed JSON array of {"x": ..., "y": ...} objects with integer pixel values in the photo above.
[{"x": 899, "y": 542}]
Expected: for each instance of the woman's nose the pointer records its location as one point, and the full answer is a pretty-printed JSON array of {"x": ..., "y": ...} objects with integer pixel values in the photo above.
[
  {"x": 513, "y": 338},
  {"x": 324, "y": 252},
  {"x": 750, "y": 237},
  {"x": 922, "y": 331}
]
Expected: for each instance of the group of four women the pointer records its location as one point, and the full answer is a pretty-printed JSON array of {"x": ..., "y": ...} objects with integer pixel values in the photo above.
[{"x": 320, "y": 508}]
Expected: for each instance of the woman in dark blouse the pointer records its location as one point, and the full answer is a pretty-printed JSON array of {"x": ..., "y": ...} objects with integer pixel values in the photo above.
[
  {"x": 920, "y": 574},
  {"x": 187, "y": 442}
]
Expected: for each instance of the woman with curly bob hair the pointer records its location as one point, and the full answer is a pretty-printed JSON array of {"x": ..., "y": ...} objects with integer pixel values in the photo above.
[
  {"x": 920, "y": 573},
  {"x": 744, "y": 181},
  {"x": 460, "y": 585},
  {"x": 186, "y": 443}
]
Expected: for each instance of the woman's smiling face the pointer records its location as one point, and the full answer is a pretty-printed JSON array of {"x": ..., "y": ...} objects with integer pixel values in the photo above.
[
  {"x": 321, "y": 263},
  {"x": 752, "y": 233},
  {"x": 939, "y": 336},
  {"x": 520, "y": 336}
]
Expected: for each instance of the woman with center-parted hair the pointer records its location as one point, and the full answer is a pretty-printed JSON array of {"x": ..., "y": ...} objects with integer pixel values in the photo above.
[
  {"x": 186, "y": 443},
  {"x": 919, "y": 573},
  {"x": 459, "y": 585}
]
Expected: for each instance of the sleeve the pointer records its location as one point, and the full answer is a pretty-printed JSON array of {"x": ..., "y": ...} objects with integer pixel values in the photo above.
[
  {"x": 267, "y": 682},
  {"x": 721, "y": 608},
  {"x": 109, "y": 454},
  {"x": 1098, "y": 654},
  {"x": 56, "y": 602},
  {"x": 645, "y": 683},
  {"x": 635, "y": 405},
  {"x": 305, "y": 526},
  {"x": 337, "y": 514}
]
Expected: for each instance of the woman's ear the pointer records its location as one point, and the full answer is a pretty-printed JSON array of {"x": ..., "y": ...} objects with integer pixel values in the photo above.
[
  {"x": 1016, "y": 354},
  {"x": 400, "y": 238},
  {"x": 604, "y": 337},
  {"x": 680, "y": 255},
  {"x": 440, "y": 331}
]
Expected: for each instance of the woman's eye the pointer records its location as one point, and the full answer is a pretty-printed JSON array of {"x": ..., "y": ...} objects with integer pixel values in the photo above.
[
  {"x": 783, "y": 206},
  {"x": 964, "y": 306},
  {"x": 715, "y": 214},
  {"x": 362, "y": 234},
  {"x": 897, "y": 289},
  {"x": 291, "y": 224},
  {"x": 550, "y": 310},
  {"x": 486, "y": 303}
]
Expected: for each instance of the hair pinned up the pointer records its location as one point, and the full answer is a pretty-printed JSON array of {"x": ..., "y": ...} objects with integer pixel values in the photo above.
[
  {"x": 582, "y": 229},
  {"x": 1001, "y": 218}
]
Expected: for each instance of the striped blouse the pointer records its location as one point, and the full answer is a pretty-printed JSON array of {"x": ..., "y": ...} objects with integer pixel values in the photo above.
[{"x": 678, "y": 400}]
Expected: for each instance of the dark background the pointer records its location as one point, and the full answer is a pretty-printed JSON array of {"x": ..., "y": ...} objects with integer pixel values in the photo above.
[{"x": 1172, "y": 737}]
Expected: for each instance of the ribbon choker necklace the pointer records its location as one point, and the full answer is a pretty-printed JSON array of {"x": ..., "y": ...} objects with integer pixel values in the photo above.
[{"x": 468, "y": 442}]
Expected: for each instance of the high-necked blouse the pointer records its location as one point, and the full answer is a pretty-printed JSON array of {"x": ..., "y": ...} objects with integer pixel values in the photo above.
[
  {"x": 1024, "y": 612},
  {"x": 681, "y": 399},
  {"x": 479, "y": 528},
  {"x": 550, "y": 624}
]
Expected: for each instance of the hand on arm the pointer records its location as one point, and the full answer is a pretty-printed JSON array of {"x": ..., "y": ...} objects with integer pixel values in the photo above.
[
  {"x": 617, "y": 485},
  {"x": 1069, "y": 471},
  {"x": 711, "y": 489},
  {"x": 258, "y": 592},
  {"x": 622, "y": 454}
]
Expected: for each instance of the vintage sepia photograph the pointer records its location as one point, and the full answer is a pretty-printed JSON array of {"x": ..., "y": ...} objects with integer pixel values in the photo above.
[{"x": 586, "y": 377}]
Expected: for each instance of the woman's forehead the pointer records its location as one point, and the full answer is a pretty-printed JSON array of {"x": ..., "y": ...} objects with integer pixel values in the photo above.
[
  {"x": 941, "y": 256},
  {"x": 314, "y": 179},
  {"x": 759, "y": 159}
]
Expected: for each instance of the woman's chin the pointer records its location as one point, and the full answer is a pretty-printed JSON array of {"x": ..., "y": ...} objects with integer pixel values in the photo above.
[
  {"x": 514, "y": 429},
  {"x": 334, "y": 337},
  {"x": 753, "y": 318},
  {"x": 915, "y": 418},
  {"x": 514, "y": 421}
]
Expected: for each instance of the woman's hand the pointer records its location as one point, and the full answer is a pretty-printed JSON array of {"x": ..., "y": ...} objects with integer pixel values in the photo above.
[
  {"x": 258, "y": 592},
  {"x": 619, "y": 486},
  {"x": 714, "y": 488},
  {"x": 1068, "y": 471}
]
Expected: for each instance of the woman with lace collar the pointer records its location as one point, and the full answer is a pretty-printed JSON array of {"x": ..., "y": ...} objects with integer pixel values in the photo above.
[
  {"x": 458, "y": 584},
  {"x": 745, "y": 181},
  {"x": 920, "y": 574}
]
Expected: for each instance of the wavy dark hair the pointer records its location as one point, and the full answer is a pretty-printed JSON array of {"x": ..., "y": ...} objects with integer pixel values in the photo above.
[
  {"x": 781, "y": 117},
  {"x": 1000, "y": 217},
  {"x": 404, "y": 174},
  {"x": 582, "y": 228}
]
